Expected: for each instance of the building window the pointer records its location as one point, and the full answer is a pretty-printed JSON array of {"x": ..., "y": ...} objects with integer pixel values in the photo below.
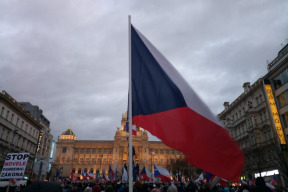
[
  {"x": 283, "y": 99},
  {"x": 110, "y": 151},
  {"x": 1, "y": 132},
  {"x": 93, "y": 151},
  {"x": 99, "y": 151},
  {"x": 2, "y": 111},
  {"x": 88, "y": 151},
  {"x": 87, "y": 160},
  {"x": 8, "y": 133},
  {"x": 105, "y": 151},
  {"x": 172, "y": 151},
  {"x": 22, "y": 124},
  {"x": 76, "y": 151},
  {"x": 156, "y": 151},
  {"x": 161, "y": 151},
  {"x": 7, "y": 114},
  {"x": 261, "y": 117},
  {"x": 16, "y": 140},
  {"x": 82, "y": 151},
  {"x": 281, "y": 79},
  {"x": 12, "y": 117},
  {"x": 250, "y": 104},
  {"x": 260, "y": 98},
  {"x": 64, "y": 149},
  {"x": 284, "y": 118}
]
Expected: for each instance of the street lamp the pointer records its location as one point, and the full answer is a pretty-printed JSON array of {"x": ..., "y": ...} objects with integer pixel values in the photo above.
[{"x": 101, "y": 156}]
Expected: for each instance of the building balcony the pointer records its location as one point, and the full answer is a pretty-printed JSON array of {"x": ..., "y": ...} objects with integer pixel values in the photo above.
[
  {"x": 242, "y": 136},
  {"x": 239, "y": 121},
  {"x": 257, "y": 108}
]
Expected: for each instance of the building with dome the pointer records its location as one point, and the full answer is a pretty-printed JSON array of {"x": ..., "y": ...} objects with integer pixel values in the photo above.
[
  {"x": 76, "y": 156},
  {"x": 68, "y": 134}
]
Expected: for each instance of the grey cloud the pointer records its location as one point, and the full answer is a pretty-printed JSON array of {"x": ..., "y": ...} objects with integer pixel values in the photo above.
[{"x": 71, "y": 57}]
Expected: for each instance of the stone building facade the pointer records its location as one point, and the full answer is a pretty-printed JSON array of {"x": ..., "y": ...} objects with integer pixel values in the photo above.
[
  {"x": 98, "y": 155},
  {"x": 45, "y": 136},
  {"x": 277, "y": 77},
  {"x": 248, "y": 121},
  {"x": 19, "y": 130}
]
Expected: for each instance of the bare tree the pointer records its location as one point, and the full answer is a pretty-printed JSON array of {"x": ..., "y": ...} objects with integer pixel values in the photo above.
[{"x": 180, "y": 167}]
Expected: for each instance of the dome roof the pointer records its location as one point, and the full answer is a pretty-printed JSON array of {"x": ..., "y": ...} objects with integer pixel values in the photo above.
[{"x": 68, "y": 132}]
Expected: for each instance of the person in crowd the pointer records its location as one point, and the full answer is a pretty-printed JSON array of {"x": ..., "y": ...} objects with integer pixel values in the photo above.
[
  {"x": 155, "y": 189},
  {"x": 67, "y": 187},
  {"x": 96, "y": 188},
  {"x": 191, "y": 187},
  {"x": 172, "y": 188},
  {"x": 260, "y": 186},
  {"x": 204, "y": 188},
  {"x": 137, "y": 186},
  {"x": 88, "y": 188},
  {"x": 244, "y": 188}
]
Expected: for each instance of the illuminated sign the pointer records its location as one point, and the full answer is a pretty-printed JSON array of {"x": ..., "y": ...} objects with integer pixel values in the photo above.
[
  {"x": 52, "y": 150},
  {"x": 274, "y": 111}
]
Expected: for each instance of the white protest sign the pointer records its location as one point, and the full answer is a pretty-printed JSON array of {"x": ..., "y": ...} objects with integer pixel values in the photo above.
[{"x": 14, "y": 166}]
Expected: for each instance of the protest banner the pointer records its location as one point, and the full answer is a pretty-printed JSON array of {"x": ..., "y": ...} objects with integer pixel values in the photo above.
[{"x": 14, "y": 166}]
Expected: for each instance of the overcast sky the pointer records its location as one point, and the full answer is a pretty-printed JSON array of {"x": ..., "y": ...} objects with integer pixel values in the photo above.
[{"x": 70, "y": 57}]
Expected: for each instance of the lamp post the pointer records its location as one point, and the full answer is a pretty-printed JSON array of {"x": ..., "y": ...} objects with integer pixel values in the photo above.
[{"x": 101, "y": 156}]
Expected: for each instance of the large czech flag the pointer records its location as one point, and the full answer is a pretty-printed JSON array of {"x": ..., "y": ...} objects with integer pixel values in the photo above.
[{"x": 165, "y": 105}]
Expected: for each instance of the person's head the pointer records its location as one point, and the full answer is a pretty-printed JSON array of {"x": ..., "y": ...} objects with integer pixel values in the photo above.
[
  {"x": 138, "y": 185},
  {"x": 156, "y": 190},
  {"x": 172, "y": 188},
  {"x": 96, "y": 188},
  {"x": 260, "y": 181},
  {"x": 108, "y": 188}
]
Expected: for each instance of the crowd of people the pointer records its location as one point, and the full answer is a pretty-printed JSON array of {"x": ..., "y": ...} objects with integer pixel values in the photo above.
[{"x": 42, "y": 186}]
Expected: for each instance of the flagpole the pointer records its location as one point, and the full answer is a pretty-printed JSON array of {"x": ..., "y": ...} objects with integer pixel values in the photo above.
[{"x": 130, "y": 175}]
